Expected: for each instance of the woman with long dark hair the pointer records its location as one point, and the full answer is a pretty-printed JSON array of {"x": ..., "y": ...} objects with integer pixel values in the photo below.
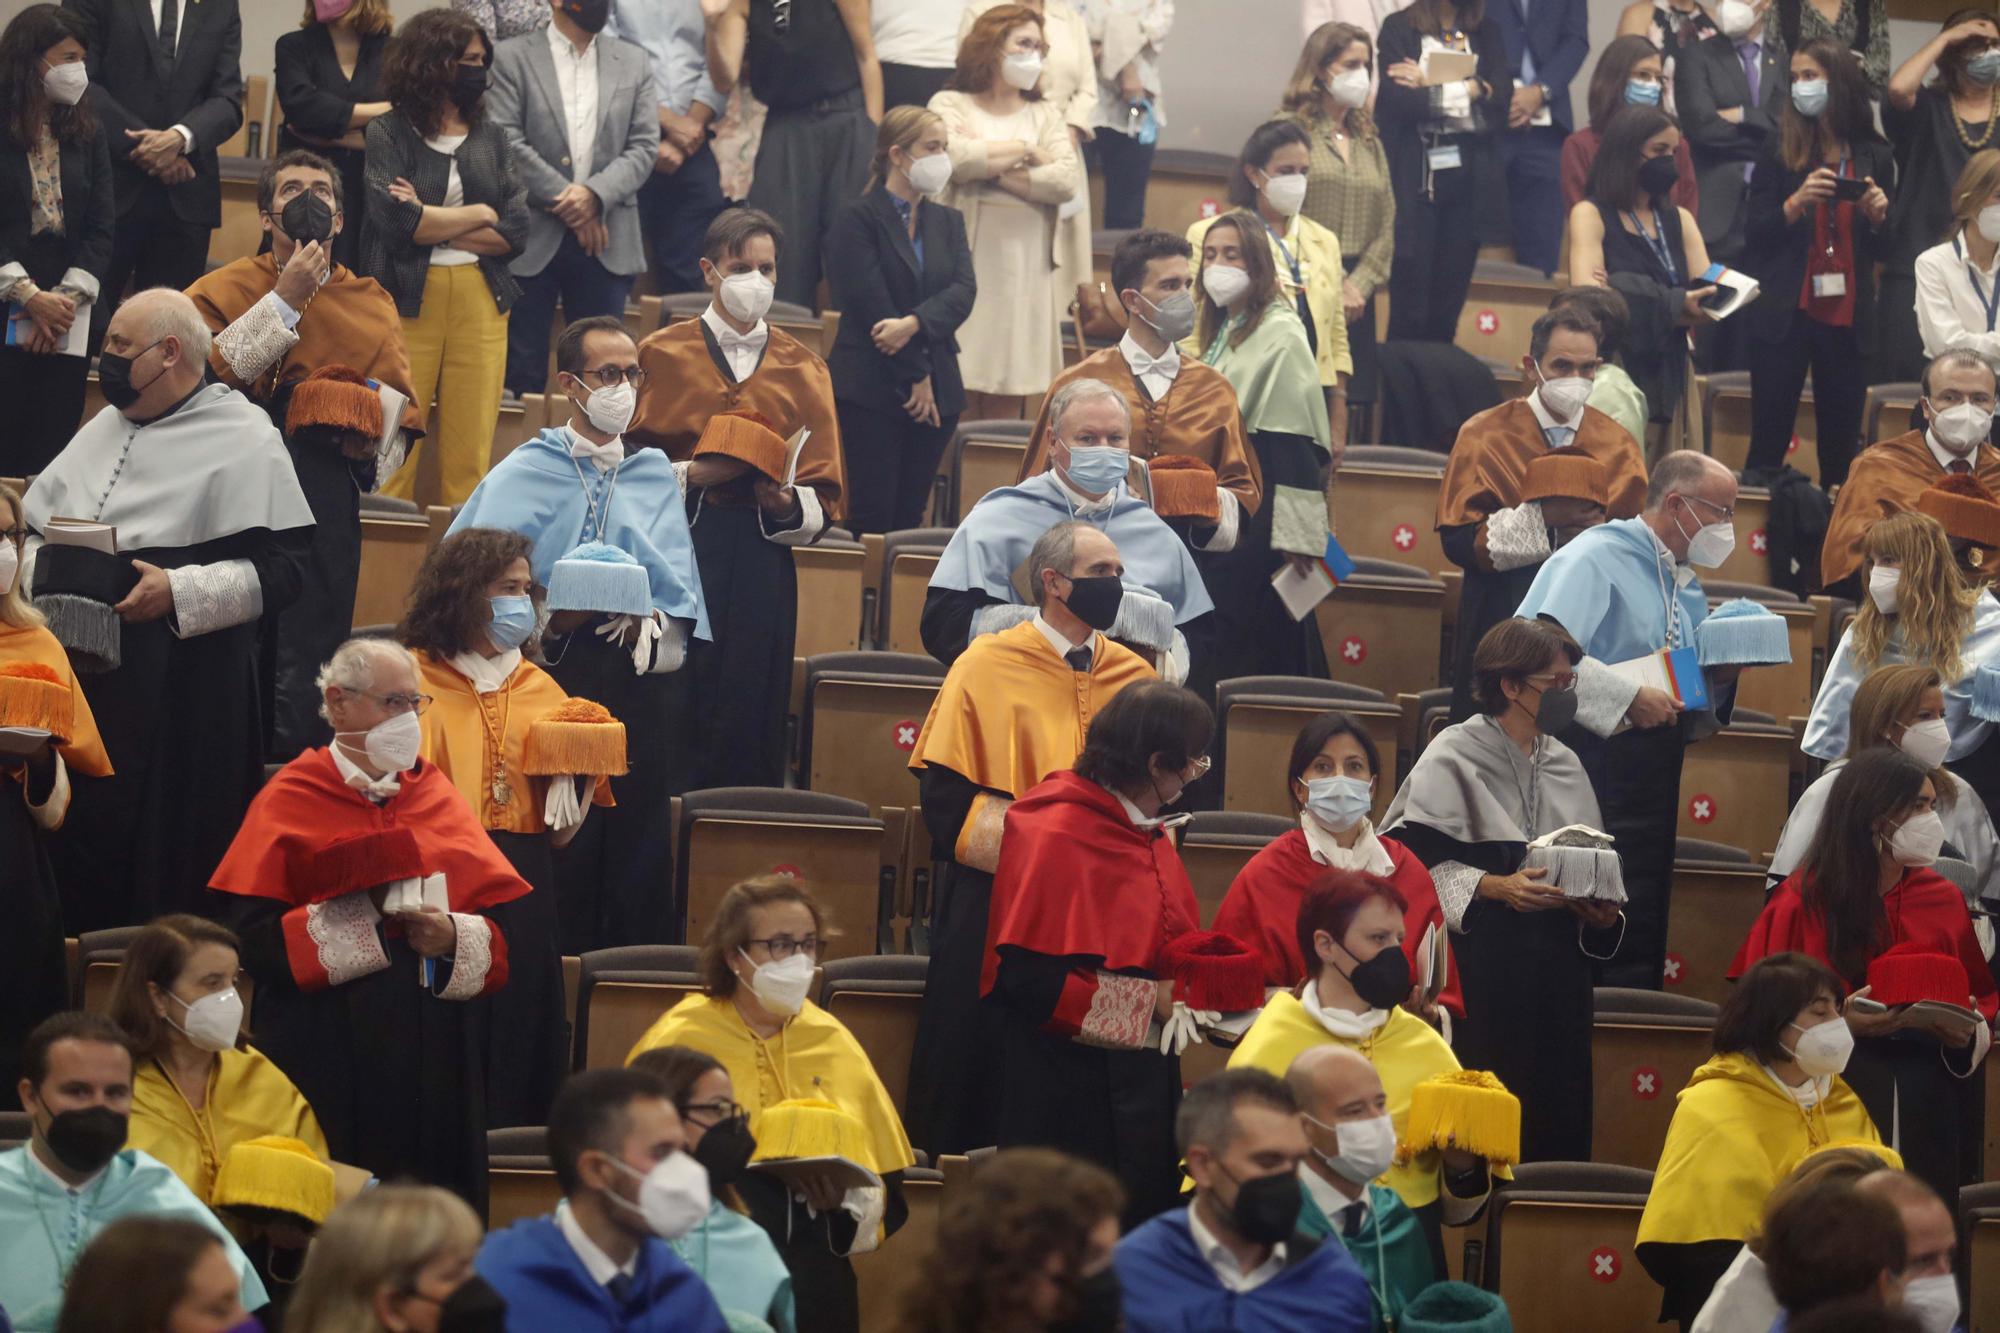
[
  {"x": 1628, "y": 73},
  {"x": 1818, "y": 202},
  {"x": 1865, "y": 891},
  {"x": 56, "y": 220},
  {"x": 153, "y": 1275},
  {"x": 329, "y": 83}
]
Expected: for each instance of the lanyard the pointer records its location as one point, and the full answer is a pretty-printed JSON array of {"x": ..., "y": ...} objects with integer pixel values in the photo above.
[
  {"x": 1827, "y": 215},
  {"x": 1990, "y": 304},
  {"x": 1298, "y": 278},
  {"x": 1668, "y": 591},
  {"x": 1657, "y": 243}
]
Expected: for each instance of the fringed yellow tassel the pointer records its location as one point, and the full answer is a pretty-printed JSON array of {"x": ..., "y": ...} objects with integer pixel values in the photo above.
[
  {"x": 32, "y": 695},
  {"x": 809, "y": 1127},
  {"x": 1470, "y": 1110},
  {"x": 577, "y": 737}
]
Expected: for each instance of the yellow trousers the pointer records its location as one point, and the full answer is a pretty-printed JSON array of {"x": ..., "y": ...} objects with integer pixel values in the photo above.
[{"x": 458, "y": 359}]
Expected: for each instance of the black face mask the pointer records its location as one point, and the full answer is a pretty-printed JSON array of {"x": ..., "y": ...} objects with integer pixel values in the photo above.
[
  {"x": 1267, "y": 1207},
  {"x": 590, "y": 15},
  {"x": 1657, "y": 175},
  {"x": 1095, "y": 600},
  {"x": 114, "y": 377},
  {"x": 1556, "y": 710},
  {"x": 474, "y": 1308},
  {"x": 1383, "y": 982},
  {"x": 86, "y": 1140},
  {"x": 307, "y": 218},
  {"x": 468, "y": 86},
  {"x": 725, "y": 1150},
  {"x": 1099, "y": 1305}
]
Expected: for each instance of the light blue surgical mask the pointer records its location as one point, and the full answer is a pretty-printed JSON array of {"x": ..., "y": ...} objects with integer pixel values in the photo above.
[
  {"x": 1983, "y": 69},
  {"x": 1809, "y": 96},
  {"x": 513, "y": 621},
  {"x": 1097, "y": 468},
  {"x": 1338, "y": 802},
  {"x": 1642, "y": 92}
]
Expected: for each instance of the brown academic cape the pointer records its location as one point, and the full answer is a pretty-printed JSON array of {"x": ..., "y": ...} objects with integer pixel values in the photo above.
[
  {"x": 1489, "y": 461},
  {"x": 1198, "y": 417},
  {"x": 351, "y": 322},
  {"x": 1886, "y": 479}
]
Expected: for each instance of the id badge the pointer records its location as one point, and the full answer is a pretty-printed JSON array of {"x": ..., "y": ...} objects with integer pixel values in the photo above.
[
  {"x": 1829, "y": 284},
  {"x": 1444, "y": 157}
]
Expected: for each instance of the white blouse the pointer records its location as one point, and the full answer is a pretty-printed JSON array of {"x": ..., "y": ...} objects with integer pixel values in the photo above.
[{"x": 1957, "y": 305}]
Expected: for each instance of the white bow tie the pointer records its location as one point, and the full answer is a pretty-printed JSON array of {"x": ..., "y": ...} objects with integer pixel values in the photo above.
[
  {"x": 728, "y": 338},
  {"x": 1168, "y": 365},
  {"x": 376, "y": 789},
  {"x": 604, "y": 456}
]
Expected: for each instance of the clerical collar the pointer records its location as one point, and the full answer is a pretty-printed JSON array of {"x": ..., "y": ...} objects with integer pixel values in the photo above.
[
  {"x": 175, "y": 408},
  {"x": 1063, "y": 647},
  {"x": 1367, "y": 853},
  {"x": 1082, "y": 506},
  {"x": 1945, "y": 457},
  {"x": 1341, "y": 1022},
  {"x": 487, "y": 674},
  {"x": 1683, "y": 572}
]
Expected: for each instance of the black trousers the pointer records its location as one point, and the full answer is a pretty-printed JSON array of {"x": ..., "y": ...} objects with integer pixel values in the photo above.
[
  {"x": 911, "y": 85},
  {"x": 1125, "y": 164},
  {"x": 1637, "y": 777},
  {"x": 1437, "y": 245},
  {"x": 151, "y": 247},
  {"x": 1361, "y": 346},
  {"x": 45, "y": 398},
  {"x": 891, "y": 465},
  {"x": 1840, "y": 386},
  {"x": 674, "y": 212},
  {"x": 810, "y": 162}
]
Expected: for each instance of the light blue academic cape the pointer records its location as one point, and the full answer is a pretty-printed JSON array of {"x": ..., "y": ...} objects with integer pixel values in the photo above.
[
  {"x": 44, "y": 1227},
  {"x": 1826, "y": 729},
  {"x": 1607, "y": 588},
  {"x": 736, "y": 1258},
  {"x": 994, "y": 539},
  {"x": 559, "y": 503}
]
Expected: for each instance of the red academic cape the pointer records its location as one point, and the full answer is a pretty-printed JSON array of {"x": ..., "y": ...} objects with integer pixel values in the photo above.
[
  {"x": 1262, "y": 909},
  {"x": 1925, "y": 909},
  {"x": 309, "y": 840},
  {"x": 1078, "y": 878}
]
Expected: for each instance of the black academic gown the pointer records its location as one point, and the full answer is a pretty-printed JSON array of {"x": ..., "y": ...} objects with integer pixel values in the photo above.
[
  {"x": 1254, "y": 634},
  {"x": 299, "y": 638},
  {"x": 527, "y": 1053},
  {"x": 34, "y": 979},
  {"x": 1486, "y": 598},
  {"x": 815, "y": 1248},
  {"x": 183, "y": 724}
]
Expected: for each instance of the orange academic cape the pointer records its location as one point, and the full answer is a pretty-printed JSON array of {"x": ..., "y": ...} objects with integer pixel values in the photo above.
[
  {"x": 790, "y": 388},
  {"x": 1198, "y": 417},
  {"x": 1886, "y": 479},
  {"x": 350, "y": 322},
  {"x": 315, "y": 844},
  {"x": 83, "y": 752},
  {"x": 1489, "y": 463},
  {"x": 463, "y": 726}
]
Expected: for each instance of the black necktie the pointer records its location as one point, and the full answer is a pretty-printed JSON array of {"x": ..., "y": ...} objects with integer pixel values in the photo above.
[
  {"x": 620, "y": 1287},
  {"x": 1078, "y": 659},
  {"x": 1959, "y": 467},
  {"x": 170, "y": 26},
  {"x": 1350, "y": 1218}
]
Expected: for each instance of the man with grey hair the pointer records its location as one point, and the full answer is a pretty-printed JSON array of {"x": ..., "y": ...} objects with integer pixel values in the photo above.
[
  {"x": 1625, "y": 590},
  {"x": 1165, "y": 615},
  {"x": 1887, "y": 477},
  {"x": 195, "y": 493},
  {"x": 373, "y": 910},
  {"x": 1013, "y": 709}
]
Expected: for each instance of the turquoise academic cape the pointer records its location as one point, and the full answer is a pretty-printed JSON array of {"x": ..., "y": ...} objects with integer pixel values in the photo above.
[
  {"x": 1391, "y": 1243},
  {"x": 736, "y": 1258},
  {"x": 996, "y": 536},
  {"x": 1170, "y": 1288},
  {"x": 558, "y": 503},
  {"x": 43, "y": 1228},
  {"x": 1607, "y": 588}
]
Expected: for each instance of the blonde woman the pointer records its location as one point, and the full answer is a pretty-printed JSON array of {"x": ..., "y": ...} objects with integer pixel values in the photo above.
[
  {"x": 34, "y": 797},
  {"x": 329, "y": 77},
  {"x": 1915, "y": 607},
  {"x": 1955, "y": 278},
  {"x": 397, "y": 1259}
]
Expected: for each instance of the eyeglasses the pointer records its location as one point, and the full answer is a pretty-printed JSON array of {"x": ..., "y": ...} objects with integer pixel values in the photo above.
[
  {"x": 1201, "y": 767},
  {"x": 1557, "y": 680},
  {"x": 718, "y": 1111},
  {"x": 781, "y": 947},
  {"x": 399, "y": 703},
  {"x": 608, "y": 376},
  {"x": 1728, "y": 514}
]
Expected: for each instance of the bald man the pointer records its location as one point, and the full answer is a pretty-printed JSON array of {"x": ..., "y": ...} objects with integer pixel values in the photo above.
[
  {"x": 211, "y": 532},
  {"x": 1347, "y": 1125},
  {"x": 1930, "y": 1292}
]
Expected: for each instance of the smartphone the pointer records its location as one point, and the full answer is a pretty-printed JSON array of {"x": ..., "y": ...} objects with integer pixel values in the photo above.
[{"x": 1848, "y": 189}]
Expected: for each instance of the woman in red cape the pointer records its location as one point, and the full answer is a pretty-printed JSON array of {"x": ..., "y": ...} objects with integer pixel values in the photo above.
[
  {"x": 1332, "y": 777},
  {"x": 1863, "y": 890}
]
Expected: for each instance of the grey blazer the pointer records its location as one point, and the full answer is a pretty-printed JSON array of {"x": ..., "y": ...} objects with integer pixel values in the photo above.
[{"x": 525, "y": 101}]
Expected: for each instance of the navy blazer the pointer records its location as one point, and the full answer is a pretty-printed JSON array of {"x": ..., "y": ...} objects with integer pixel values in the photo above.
[
  {"x": 1557, "y": 33},
  {"x": 874, "y": 277}
]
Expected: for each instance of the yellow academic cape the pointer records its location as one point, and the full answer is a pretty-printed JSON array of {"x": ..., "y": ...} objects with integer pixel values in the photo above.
[
  {"x": 248, "y": 1097},
  {"x": 814, "y": 1055},
  {"x": 1405, "y": 1051},
  {"x": 1734, "y": 1136},
  {"x": 474, "y": 737},
  {"x": 84, "y": 752}
]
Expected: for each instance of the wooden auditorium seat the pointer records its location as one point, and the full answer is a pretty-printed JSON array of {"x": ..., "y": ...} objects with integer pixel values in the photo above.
[
  {"x": 99, "y": 953},
  {"x": 830, "y": 843},
  {"x": 887, "y": 1272},
  {"x": 520, "y": 1179},
  {"x": 1717, "y": 895},
  {"x": 1384, "y": 627},
  {"x": 1889, "y": 410},
  {"x": 829, "y": 594},
  {"x": 1644, "y": 1046},
  {"x": 1500, "y": 308},
  {"x": 983, "y": 456},
  {"x": 1559, "y": 1241},
  {"x": 1258, "y": 717},
  {"x": 878, "y": 998},
  {"x": 1784, "y": 692},
  {"x": 393, "y": 547},
  {"x": 1750, "y": 559},
  {"x": 909, "y": 558},
  {"x": 1725, "y": 422},
  {"x": 1979, "y": 1257},
  {"x": 860, "y": 721},
  {"x": 1217, "y": 844},
  {"x": 1385, "y": 500},
  {"x": 620, "y": 992},
  {"x": 1736, "y": 785}
]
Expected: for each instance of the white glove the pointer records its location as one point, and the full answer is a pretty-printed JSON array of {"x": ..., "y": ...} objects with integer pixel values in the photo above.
[
  {"x": 1180, "y": 1030},
  {"x": 641, "y": 633},
  {"x": 563, "y": 809}
]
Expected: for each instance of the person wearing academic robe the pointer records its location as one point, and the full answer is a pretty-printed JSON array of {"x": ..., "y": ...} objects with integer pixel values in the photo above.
[
  {"x": 1887, "y": 477},
  {"x": 1091, "y": 949},
  {"x": 580, "y": 488},
  {"x": 1970, "y": 516},
  {"x": 1351, "y": 920},
  {"x": 1865, "y": 903},
  {"x": 1235, "y": 1258},
  {"x": 1250, "y": 335},
  {"x": 788, "y": 1059},
  {"x": 1332, "y": 779},
  {"x": 1013, "y": 709},
  {"x": 1353, "y": 1137},
  {"x": 76, "y": 1076},
  {"x": 1624, "y": 590},
  {"x": 38, "y": 688},
  {"x": 1496, "y": 526},
  {"x": 470, "y": 619},
  {"x": 1477, "y": 795},
  {"x": 973, "y": 590},
  {"x": 1178, "y": 405},
  {"x": 209, "y": 518},
  {"x": 1771, "y": 1094},
  {"x": 363, "y": 889},
  {"x": 744, "y": 522}
]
